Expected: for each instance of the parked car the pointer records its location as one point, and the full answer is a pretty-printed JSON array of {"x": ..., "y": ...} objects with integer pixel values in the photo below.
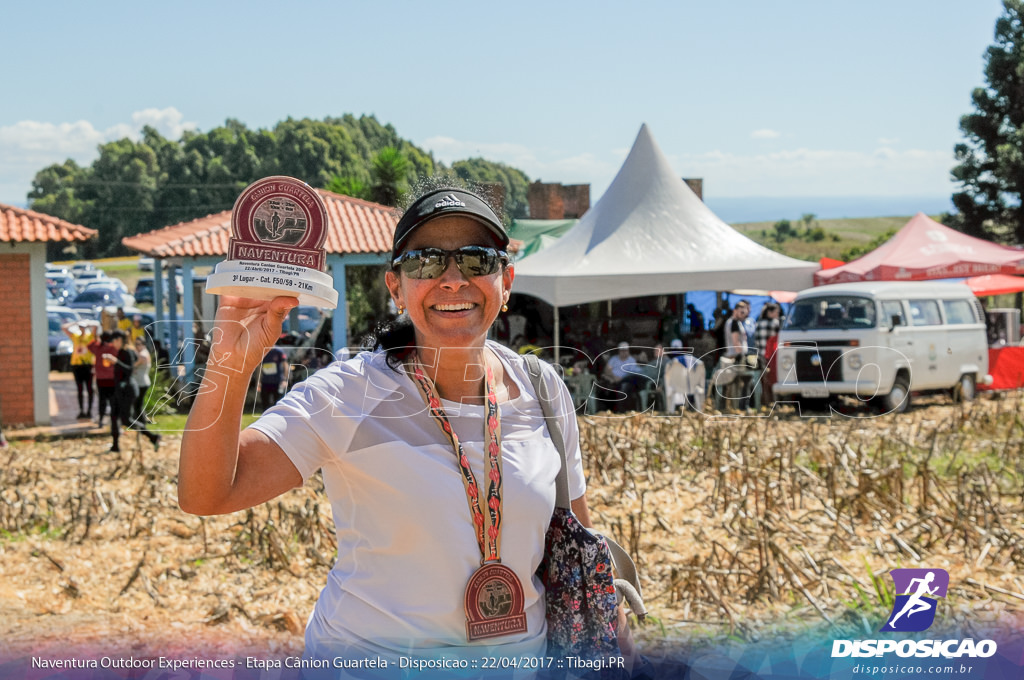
[
  {"x": 109, "y": 283},
  {"x": 57, "y": 269},
  {"x": 95, "y": 299},
  {"x": 62, "y": 286},
  {"x": 113, "y": 284},
  {"x": 60, "y": 344},
  {"x": 145, "y": 263},
  {"x": 309, "y": 319},
  {"x": 144, "y": 288},
  {"x": 85, "y": 278},
  {"x": 82, "y": 267},
  {"x": 65, "y": 313},
  {"x": 881, "y": 341}
]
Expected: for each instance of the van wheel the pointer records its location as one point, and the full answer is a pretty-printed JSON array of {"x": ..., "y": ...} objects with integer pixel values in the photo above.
[
  {"x": 966, "y": 389},
  {"x": 898, "y": 398}
]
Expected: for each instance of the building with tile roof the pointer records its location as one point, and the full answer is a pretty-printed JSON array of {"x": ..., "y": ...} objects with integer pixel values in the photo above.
[
  {"x": 359, "y": 233},
  {"x": 25, "y": 234}
]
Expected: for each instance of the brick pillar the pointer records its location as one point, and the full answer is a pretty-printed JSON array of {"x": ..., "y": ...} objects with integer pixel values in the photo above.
[
  {"x": 576, "y": 198},
  {"x": 696, "y": 185},
  {"x": 546, "y": 201},
  {"x": 16, "y": 388}
]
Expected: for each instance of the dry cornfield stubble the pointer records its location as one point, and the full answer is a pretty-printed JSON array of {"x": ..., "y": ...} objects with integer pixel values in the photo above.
[{"x": 743, "y": 527}]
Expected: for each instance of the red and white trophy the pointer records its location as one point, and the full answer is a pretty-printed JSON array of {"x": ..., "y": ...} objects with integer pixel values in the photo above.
[{"x": 278, "y": 229}]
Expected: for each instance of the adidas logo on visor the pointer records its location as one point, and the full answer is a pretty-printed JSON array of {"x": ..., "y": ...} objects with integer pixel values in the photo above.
[{"x": 449, "y": 201}]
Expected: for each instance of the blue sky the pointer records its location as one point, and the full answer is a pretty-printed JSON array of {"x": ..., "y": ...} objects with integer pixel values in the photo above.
[{"x": 775, "y": 99}]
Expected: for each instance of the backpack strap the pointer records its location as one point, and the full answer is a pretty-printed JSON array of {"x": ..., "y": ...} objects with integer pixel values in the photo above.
[
  {"x": 540, "y": 386},
  {"x": 622, "y": 563}
]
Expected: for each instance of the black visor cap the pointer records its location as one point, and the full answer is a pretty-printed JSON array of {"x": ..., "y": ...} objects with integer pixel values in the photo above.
[{"x": 447, "y": 202}]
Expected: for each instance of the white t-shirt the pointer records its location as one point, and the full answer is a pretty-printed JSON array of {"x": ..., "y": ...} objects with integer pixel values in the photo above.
[
  {"x": 734, "y": 325},
  {"x": 406, "y": 544}
]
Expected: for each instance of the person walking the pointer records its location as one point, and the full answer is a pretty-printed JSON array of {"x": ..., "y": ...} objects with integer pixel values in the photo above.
[
  {"x": 104, "y": 374},
  {"x": 140, "y": 372},
  {"x": 122, "y": 360}
]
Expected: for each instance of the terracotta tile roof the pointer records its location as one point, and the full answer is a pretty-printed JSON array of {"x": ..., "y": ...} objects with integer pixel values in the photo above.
[
  {"x": 354, "y": 226},
  {"x": 20, "y": 225}
]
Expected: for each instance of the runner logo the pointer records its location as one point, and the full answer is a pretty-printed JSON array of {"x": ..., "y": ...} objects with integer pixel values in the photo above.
[
  {"x": 916, "y": 600},
  {"x": 449, "y": 201}
]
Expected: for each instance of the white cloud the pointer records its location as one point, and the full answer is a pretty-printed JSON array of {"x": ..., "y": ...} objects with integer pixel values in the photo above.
[
  {"x": 765, "y": 133},
  {"x": 32, "y": 137},
  {"x": 542, "y": 164},
  {"x": 28, "y": 146}
]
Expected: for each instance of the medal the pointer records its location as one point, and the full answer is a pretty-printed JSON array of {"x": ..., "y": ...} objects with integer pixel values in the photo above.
[
  {"x": 494, "y": 603},
  {"x": 494, "y": 600}
]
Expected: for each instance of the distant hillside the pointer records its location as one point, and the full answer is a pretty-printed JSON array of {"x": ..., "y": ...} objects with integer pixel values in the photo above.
[{"x": 835, "y": 238}]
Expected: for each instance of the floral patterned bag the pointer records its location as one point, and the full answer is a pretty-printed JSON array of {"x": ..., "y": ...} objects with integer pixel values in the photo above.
[
  {"x": 577, "y": 567},
  {"x": 580, "y": 594}
]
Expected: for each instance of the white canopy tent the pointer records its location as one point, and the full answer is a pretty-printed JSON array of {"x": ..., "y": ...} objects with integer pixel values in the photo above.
[{"x": 649, "y": 234}]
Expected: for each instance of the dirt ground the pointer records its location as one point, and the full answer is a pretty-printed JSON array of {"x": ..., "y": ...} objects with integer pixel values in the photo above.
[{"x": 745, "y": 528}]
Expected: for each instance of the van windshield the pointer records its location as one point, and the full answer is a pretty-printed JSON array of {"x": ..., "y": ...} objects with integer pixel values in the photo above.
[{"x": 840, "y": 311}]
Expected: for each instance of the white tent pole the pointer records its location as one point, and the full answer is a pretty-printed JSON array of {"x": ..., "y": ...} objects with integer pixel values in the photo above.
[{"x": 557, "y": 339}]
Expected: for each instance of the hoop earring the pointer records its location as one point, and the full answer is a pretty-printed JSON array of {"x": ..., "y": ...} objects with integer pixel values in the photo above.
[{"x": 504, "y": 308}]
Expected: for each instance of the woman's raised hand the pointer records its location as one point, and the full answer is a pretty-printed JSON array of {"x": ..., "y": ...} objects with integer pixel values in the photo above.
[{"x": 244, "y": 330}]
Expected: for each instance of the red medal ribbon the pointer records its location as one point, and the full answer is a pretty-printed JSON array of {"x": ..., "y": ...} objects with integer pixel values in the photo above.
[{"x": 487, "y": 525}]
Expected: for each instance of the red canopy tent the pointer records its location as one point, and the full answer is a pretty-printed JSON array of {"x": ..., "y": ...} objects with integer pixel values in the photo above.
[
  {"x": 924, "y": 249},
  {"x": 995, "y": 284}
]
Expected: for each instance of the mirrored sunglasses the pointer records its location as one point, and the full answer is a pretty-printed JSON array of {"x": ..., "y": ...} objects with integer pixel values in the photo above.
[{"x": 430, "y": 263}]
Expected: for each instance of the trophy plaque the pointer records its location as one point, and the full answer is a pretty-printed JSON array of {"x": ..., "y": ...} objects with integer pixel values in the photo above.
[{"x": 278, "y": 228}]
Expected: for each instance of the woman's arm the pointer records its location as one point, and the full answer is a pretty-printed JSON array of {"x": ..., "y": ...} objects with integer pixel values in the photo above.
[
  {"x": 582, "y": 512},
  {"x": 220, "y": 469}
]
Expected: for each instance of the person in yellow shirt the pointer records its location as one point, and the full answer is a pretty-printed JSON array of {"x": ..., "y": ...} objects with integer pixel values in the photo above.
[
  {"x": 82, "y": 361},
  {"x": 123, "y": 322},
  {"x": 136, "y": 329}
]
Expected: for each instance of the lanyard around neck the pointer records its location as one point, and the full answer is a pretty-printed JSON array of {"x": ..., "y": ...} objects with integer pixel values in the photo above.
[{"x": 487, "y": 525}]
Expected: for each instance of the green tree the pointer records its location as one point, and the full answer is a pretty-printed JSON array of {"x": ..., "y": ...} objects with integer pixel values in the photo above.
[
  {"x": 122, "y": 189},
  {"x": 990, "y": 162},
  {"x": 56, "y": 190},
  {"x": 349, "y": 186},
  {"x": 815, "y": 234},
  {"x": 139, "y": 185},
  {"x": 856, "y": 251},
  {"x": 783, "y": 230},
  {"x": 390, "y": 176},
  {"x": 515, "y": 182},
  {"x": 808, "y": 220}
]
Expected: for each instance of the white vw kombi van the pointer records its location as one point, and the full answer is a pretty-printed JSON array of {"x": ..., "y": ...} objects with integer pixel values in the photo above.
[{"x": 880, "y": 341}]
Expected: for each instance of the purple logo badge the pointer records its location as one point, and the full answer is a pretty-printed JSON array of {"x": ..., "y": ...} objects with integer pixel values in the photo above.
[{"x": 917, "y": 593}]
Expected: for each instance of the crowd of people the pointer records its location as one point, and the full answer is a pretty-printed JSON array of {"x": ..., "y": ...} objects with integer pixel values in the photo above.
[
  {"x": 736, "y": 351},
  {"x": 112, "y": 370}
]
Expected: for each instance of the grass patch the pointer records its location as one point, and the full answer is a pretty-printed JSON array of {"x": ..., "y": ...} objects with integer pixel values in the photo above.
[
  {"x": 851, "y": 232},
  {"x": 174, "y": 423}
]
